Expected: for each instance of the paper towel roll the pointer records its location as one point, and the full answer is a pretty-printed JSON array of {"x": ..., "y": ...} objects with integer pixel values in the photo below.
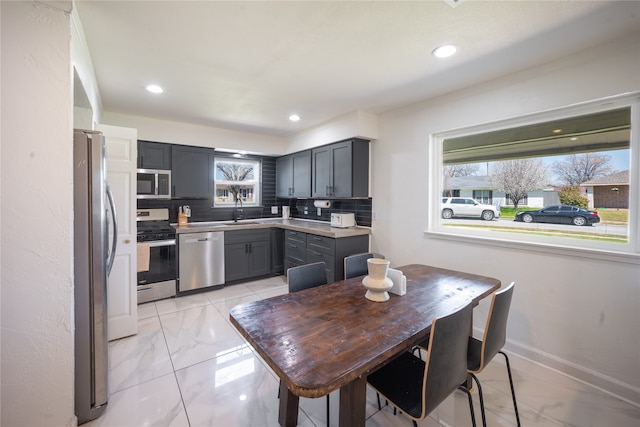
[{"x": 322, "y": 203}]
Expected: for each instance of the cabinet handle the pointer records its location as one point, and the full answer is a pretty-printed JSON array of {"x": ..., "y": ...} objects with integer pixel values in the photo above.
[{"x": 249, "y": 245}]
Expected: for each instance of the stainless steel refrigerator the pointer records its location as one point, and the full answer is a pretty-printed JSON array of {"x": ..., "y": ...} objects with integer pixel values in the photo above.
[{"x": 94, "y": 227}]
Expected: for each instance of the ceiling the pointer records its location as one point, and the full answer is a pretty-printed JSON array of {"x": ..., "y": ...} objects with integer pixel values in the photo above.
[{"x": 249, "y": 65}]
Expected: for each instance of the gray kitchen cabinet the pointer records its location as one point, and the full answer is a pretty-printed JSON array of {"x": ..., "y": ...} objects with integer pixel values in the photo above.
[
  {"x": 154, "y": 155},
  {"x": 192, "y": 171},
  {"x": 247, "y": 253},
  {"x": 295, "y": 249},
  {"x": 293, "y": 175},
  {"x": 340, "y": 169},
  {"x": 305, "y": 248},
  {"x": 277, "y": 251}
]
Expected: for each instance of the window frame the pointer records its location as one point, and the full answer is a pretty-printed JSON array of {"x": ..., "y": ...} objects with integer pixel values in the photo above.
[
  {"x": 623, "y": 252},
  {"x": 256, "y": 182}
]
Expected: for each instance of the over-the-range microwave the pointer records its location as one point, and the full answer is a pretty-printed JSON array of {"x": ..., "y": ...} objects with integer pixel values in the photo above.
[{"x": 153, "y": 184}]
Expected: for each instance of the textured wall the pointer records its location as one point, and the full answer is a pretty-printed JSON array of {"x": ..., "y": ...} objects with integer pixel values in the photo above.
[{"x": 36, "y": 230}]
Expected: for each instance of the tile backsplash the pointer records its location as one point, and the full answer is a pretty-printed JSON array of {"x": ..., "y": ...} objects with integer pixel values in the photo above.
[
  {"x": 304, "y": 209},
  {"x": 202, "y": 209}
]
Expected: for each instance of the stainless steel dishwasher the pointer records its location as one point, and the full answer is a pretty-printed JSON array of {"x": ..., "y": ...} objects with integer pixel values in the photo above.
[{"x": 200, "y": 260}]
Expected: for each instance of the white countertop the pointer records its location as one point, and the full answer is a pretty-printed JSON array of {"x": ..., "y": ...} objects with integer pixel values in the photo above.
[{"x": 320, "y": 228}]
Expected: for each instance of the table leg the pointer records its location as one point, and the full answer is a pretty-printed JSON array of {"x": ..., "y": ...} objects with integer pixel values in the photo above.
[
  {"x": 288, "y": 410},
  {"x": 353, "y": 401}
]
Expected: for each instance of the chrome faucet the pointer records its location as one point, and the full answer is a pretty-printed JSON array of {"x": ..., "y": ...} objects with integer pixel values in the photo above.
[{"x": 238, "y": 213}]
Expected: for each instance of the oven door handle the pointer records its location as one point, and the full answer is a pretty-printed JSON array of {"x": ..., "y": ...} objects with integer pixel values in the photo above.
[{"x": 160, "y": 243}]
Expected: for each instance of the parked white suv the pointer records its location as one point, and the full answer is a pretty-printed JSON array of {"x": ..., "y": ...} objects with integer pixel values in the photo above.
[{"x": 466, "y": 206}]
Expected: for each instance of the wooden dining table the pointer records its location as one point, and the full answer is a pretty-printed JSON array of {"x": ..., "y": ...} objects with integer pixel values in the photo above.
[{"x": 331, "y": 337}]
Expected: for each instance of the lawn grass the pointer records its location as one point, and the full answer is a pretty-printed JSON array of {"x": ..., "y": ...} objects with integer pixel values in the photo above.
[{"x": 613, "y": 216}]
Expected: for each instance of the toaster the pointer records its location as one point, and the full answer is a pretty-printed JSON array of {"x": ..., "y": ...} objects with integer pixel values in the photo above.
[{"x": 343, "y": 220}]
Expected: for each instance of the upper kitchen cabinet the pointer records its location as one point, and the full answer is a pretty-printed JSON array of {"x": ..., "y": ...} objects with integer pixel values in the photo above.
[
  {"x": 293, "y": 175},
  {"x": 192, "y": 171},
  {"x": 154, "y": 155},
  {"x": 341, "y": 169}
]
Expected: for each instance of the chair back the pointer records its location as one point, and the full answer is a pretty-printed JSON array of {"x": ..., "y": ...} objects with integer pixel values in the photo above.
[
  {"x": 306, "y": 276},
  {"x": 495, "y": 331},
  {"x": 446, "y": 363},
  {"x": 356, "y": 265}
]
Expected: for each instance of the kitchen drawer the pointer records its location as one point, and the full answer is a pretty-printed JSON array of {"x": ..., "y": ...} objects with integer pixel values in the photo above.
[
  {"x": 295, "y": 253},
  {"x": 313, "y": 256},
  {"x": 322, "y": 244},
  {"x": 246, "y": 236},
  {"x": 295, "y": 237}
]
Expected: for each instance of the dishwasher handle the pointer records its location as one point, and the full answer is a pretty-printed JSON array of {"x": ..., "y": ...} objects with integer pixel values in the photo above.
[{"x": 196, "y": 239}]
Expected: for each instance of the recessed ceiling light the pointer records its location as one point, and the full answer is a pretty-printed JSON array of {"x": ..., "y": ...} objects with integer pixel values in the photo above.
[
  {"x": 155, "y": 89},
  {"x": 294, "y": 117},
  {"x": 557, "y": 131},
  {"x": 445, "y": 51}
]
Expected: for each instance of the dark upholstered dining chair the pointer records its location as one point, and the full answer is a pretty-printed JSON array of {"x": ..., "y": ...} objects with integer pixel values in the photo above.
[
  {"x": 481, "y": 352},
  {"x": 417, "y": 387},
  {"x": 356, "y": 265},
  {"x": 305, "y": 277}
]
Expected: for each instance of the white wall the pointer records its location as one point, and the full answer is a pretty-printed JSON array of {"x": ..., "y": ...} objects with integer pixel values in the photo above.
[
  {"x": 204, "y": 136},
  {"x": 356, "y": 124},
  {"x": 37, "y": 217},
  {"x": 578, "y": 315}
]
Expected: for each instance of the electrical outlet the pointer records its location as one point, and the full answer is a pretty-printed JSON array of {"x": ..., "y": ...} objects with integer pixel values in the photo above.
[
  {"x": 319, "y": 211},
  {"x": 306, "y": 210},
  {"x": 274, "y": 210}
]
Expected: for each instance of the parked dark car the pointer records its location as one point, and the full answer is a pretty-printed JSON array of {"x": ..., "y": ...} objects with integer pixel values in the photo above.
[{"x": 560, "y": 214}]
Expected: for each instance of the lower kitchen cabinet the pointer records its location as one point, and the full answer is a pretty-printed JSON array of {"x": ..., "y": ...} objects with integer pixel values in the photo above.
[
  {"x": 295, "y": 249},
  {"x": 277, "y": 251},
  {"x": 306, "y": 248},
  {"x": 247, "y": 253}
]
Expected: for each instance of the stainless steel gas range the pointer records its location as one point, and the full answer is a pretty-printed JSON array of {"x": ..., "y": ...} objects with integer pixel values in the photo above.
[{"x": 156, "y": 255}]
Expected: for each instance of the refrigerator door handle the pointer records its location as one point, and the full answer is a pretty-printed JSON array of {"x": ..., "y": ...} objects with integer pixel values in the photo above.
[{"x": 114, "y": 244}]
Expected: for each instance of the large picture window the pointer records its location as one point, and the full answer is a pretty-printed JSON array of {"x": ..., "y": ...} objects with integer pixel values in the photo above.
[
  {"x": 237, "y": 182},
  {"x": 583, "y": 156}
]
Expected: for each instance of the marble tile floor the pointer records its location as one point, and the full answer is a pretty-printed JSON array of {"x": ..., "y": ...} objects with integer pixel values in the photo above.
[{"x": 187, "y": 366}]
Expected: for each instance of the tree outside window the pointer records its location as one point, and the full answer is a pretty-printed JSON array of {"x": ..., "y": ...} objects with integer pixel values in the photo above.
[{"x": 237, "y": 182}]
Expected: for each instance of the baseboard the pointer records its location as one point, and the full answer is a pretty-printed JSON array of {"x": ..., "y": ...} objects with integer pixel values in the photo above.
[{"x": 619, "y": 389}]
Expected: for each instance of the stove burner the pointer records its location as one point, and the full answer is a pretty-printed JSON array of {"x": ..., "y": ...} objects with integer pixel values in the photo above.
[
  {"x": 148, "y": 233},
  {"x": 153, "y": 225}
]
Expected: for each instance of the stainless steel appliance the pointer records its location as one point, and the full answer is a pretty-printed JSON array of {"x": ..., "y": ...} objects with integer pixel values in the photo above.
[
  {"x": 343, "y": 220},
  {"x": 201, "y": 260},
  {"x": 153, "y": 184},
  {"x": 158, "y": 281},
  {"x": 93, "y": 210}
]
